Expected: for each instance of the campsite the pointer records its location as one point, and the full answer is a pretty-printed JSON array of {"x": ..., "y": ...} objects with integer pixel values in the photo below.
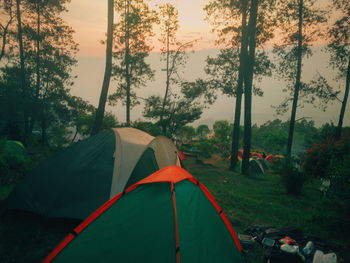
[{"x": 190, "y": 131}]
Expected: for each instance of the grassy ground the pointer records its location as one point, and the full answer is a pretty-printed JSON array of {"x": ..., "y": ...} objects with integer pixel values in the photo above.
[
  {"x": 260, "y": 199},
  {"x": 245, "y": 200}
]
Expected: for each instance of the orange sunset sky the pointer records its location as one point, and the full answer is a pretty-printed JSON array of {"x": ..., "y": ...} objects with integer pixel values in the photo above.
[{"x": 89, "y": 20}]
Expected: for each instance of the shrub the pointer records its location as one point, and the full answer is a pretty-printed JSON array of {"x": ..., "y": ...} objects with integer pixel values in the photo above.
[
  {"x": 12, "y": 164},
  {"x": 291, "y": 176},
  {"x": 317, "y": 159},
  {"x": 205, "y": 148}
]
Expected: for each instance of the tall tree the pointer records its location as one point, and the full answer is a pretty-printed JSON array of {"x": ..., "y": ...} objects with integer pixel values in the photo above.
[
  {"x": 133, "y": 31},
  {"x": 248, "y": 84},
  {"x": 300, "y": 23},
  {"x": 230, "y": 19},
  {"x": 7, "y": 17},
  {"x": 22, "y": 72},
  {"x": 108, "y": 71},
  {"x": 339, "y": 49},
  {"x": 172, "y": 51}
]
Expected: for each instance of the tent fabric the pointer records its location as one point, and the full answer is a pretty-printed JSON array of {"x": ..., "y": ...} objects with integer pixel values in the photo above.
[
  {"x": 14, "y": 150},
  {"x": 76, "y": 181},
  {"x": 130, "y": 144},
  {"x": 263, "y": 163},
  {"x": 255, "y": 166},
  {"x": 182, "y": 156},
  {"x": 165, "y": 151},
  {"x": 166, "y": 217},
  {"x": 72, "y": 183}
]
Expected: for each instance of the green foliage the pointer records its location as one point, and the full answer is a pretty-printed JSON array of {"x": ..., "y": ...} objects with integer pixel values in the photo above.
[
  {"x": 287, "y": 52},
  {"x": 202, "y": 131},
  {"x": 132, "y": 32},
  {"x": 185, "y": 133},
  {"x": 14, "y": 162},
  {"x": 148, "y": 127},
  {"x": 317, "y": 159},
  {"x": 177, "y": 113},
  {"x": 86, "y": 122},
  {"x": 291, "y": 176},
  {"x": 206, "y": 148},
  {"x": 222, "y": 131},
  {"x": 339, "y": 195}
]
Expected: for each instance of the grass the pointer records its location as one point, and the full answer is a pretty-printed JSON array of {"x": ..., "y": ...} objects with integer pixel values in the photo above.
[
  {"x": 246, "y": 201},
  {"x": 262, "y": 199}
]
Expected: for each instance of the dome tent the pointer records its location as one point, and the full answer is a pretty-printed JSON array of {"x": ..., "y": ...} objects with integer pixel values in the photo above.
[
  {"x": 76, "y": 181},
  {"x": 167, "y": 217}
]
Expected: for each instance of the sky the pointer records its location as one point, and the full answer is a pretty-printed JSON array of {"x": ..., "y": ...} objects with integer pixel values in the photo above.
[{"x": 89, "y": 20}]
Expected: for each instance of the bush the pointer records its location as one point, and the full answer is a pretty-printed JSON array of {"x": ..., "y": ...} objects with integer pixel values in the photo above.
[
  {"x": 338, "y": 193},
  {"x": 205, "y": 148},
  {"x": 291, "y": 176},
  {"x": 317, "y": 159},
  {"x": 13, "y": 165}
]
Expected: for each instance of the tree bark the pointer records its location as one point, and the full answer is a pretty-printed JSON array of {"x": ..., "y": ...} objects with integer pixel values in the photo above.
[
  {"x": 5, "y": 32},
  {"x": 239, "y": 92},
  {"x": 343, "y": 105},
  {"x": 248, "y": 84},
  {"x": 108, "y": 70},
  {"x": 297, "y": 81},
  {"x": 127, "y": 57},
  {"x": 22, "y": 68},
  {"x": 162, "y": 123}
]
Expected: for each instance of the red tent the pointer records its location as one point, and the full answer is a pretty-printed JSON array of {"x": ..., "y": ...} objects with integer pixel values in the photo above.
[{"x": 181, "y": 155}]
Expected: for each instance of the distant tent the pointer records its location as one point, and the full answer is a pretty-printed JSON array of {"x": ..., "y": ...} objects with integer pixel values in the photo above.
[
  {"x": 77, "y": 180},
  {"x": 255, "y": 154},
  {"x": 270, "y": 158},
  {"x": 182, "y": 156},
  {"x": 263, "y": 163},
  {"x": 167, "y": 217},
  {"x": 14, "y": 150},
  {"x": 255, "y": 166},
  {"x": 279, "y": 156}
]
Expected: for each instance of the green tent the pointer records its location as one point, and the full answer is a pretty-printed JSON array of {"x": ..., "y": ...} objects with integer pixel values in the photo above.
[
  {"x": 255, "y": 166},
  {"x": 76, "y": 181},
  {"x": 167, "y": 217},
  {"x": 14, "y": 150}
]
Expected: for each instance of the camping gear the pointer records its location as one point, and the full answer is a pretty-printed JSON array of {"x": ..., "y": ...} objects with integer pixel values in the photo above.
[
  {"x": 309, "y": 247},
  {"x": 247, "y": 241},
  {"x": 287, "y": 240},
  {"x": 307, "y": 243},
  {"x": 167, "y": 217},
  {"x": 76, "y": 181},
  {"x": 320, "y": 257},
  {"x": 255, "y": 166}
]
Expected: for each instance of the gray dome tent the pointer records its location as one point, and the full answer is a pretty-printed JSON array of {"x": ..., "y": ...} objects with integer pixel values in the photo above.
[{"x": 76, "y": 181}]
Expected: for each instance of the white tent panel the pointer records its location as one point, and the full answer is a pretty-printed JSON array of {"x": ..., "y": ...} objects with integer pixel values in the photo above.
[{"x": 130, "y": 144}]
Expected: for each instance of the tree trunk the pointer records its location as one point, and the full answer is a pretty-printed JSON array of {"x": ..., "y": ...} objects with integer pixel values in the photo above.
[
  {"x": 162, "y": 123},
  {"x": 248, "y": 84},
  {"x": 43, "y": 130},
  {"x": 343, "y": 105},
  {"x": 297, "y": 81},
  {"x": 238, "y": 106},
  {"x": 36, "y": 106},
  {"x": 127, "y": 56},
  {"x": 108, "y": 70},
  {"x": 5, "y": 32},
  {"x": 23, "y": 77}
]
